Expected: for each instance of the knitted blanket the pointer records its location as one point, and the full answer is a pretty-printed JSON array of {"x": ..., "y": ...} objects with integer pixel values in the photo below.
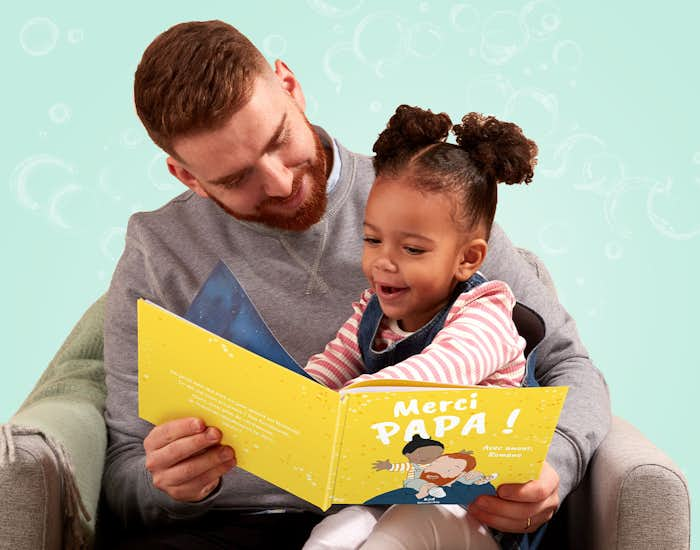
[{"x": 65, "y": 408}]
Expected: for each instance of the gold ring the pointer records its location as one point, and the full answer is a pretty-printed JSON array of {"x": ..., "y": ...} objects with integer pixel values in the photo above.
[{"x": 529, "y": 523}]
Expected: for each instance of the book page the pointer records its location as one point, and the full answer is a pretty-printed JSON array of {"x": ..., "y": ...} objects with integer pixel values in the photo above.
[
  {"x": 483, "y": 437},
  {"x": 280, "y": 424}
]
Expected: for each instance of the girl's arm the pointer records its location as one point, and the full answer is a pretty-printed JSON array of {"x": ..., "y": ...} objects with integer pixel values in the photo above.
[{"x": 341, "y": 361}]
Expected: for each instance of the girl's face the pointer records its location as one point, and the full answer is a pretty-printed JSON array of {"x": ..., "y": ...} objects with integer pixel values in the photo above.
[{"x": 414, "y": 253}]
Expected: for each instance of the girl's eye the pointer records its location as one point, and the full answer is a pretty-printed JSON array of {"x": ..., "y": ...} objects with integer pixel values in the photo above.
[
  {"x": 413, "y": 250},
  {"x": 371, "y": 240}
]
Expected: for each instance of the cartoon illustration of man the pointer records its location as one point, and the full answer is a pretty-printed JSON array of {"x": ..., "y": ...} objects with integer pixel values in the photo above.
[
  {"x": 429, "y": 470},
  {"x": 447, "y": 470},
  {"x": 420, "y": 452}
]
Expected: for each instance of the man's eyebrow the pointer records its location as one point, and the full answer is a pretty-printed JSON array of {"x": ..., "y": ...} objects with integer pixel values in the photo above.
[{"x": 239, "y": 173}]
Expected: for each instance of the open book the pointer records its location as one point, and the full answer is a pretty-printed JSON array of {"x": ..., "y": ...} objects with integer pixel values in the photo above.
[{"x": 380, "y": 442}]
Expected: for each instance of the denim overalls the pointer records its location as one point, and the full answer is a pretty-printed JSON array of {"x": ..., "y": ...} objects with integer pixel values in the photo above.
[{"x": 375, "y": 361}]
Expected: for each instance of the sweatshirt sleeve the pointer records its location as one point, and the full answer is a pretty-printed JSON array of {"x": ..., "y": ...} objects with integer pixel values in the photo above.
[
  {"x": 127, "y": 483},
  {"x": 562, "y": 360},
  {"x": 341, "y": 360},
  {"x": 479, "y": 344}
]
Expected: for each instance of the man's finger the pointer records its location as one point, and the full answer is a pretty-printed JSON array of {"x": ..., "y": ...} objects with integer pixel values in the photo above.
[
  {"x": 537, "y": 490},
  {"x": 193, "y": 468},
  {"x": 182, "y": 449},
  {"x": 496, "y": 507},
  {"x": 166, "y": 433},
  {"x": 522, "y": 524},
  {"x": 200, "y": 487}
]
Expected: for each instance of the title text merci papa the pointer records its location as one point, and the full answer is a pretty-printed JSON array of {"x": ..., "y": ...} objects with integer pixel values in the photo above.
[{"x": 441, "y": 424}]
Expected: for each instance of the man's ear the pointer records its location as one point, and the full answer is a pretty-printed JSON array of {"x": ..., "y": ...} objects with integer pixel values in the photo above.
[
  {"x": 184, "y": 175},
  {"x": 290, "y": 83},
  {"x": 472, "y": 255}
]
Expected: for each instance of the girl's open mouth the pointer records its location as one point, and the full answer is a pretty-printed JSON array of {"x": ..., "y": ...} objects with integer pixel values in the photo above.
[{"x": 388, "y": 292}]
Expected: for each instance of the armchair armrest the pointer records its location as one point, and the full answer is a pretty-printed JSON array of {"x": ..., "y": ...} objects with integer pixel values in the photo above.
[
  {"x": 633, "y": 497},
  {"x": 52, "y": 450},
  {"x": 31, "y": 497}
]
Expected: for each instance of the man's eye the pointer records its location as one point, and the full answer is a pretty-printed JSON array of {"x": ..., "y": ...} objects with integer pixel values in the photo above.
[
  {"x": 283, "y": 138},
  {"x": 413, "y": 250},
  {"x": 232, "y": 184}
]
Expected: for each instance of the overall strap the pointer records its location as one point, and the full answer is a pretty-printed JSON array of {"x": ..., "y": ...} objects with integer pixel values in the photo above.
[{"x": 371, "y": 320}]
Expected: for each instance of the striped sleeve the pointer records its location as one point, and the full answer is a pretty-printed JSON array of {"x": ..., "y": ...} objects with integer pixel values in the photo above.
[
  {"x": 341, "y": 360},
  {"x": 479, "y": 344}
]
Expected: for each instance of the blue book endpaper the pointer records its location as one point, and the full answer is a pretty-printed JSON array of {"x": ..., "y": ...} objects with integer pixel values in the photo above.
[{"x": 223, "y": 307}]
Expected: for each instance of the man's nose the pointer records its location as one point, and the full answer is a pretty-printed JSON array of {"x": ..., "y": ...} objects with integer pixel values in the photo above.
[{"x": 277, "y": 178}]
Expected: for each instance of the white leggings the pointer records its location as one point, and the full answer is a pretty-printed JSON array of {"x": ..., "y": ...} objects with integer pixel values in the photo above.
[{"x": 401, "y": 527}]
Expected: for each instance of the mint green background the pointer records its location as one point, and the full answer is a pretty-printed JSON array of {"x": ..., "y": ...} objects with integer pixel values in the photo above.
[{"x": 607, "y": 90}]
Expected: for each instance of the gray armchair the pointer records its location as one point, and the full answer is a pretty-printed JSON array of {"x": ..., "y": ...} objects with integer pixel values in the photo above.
[{"x": 52, "y": 451}]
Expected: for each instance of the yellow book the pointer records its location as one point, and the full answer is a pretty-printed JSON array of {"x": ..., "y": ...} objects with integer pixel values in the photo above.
[{"x": 380, "y": 442}]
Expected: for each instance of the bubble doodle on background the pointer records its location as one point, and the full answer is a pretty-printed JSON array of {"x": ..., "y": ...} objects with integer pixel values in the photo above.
[
  {"x": 159, "y": 175},
  {"x": 59, "y": 113},
  {"x": 38, "y": 36},
  {"x": 380, "y": 28},
  {"x": 535, "y": 110},
  {"x": 465, "y": 18},
  {"x": 329, "y": 63},
  {"x": 683, "y": 201},
  {"x": 336, "y": 8},
  {"x": 75, "y": 36},
  {"x": 112, "y": 243},
  {"x": 37, "y": 178},
  {"x": 541, "y": 18},
  {"x": 424, "y": 40},
  {"x": 503, "y": 35},
  {"x": 275, "y": 45},
  {"x": 489, "y": 94},
  {"x": 567, "y": 54},
  {"x": 553, "y": 238}
]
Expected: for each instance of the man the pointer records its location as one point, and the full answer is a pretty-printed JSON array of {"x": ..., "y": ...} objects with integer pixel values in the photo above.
[{"x": 281, "y": 203}]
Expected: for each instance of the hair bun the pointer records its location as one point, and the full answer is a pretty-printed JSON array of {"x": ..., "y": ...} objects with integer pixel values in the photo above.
[
  {"x": 408, "y": 130},
  {"x": 499, "y": 149}
]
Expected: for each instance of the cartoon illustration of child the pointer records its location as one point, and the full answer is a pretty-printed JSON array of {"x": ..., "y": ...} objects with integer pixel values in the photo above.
[{"x": 420, "y": 452}]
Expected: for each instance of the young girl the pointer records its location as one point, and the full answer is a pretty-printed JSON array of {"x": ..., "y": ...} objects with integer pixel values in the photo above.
[{"x": 429, "y": 314}]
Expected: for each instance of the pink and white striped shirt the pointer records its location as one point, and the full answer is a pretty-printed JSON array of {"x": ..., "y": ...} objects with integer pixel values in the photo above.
[{"x": 479, "y": 345}]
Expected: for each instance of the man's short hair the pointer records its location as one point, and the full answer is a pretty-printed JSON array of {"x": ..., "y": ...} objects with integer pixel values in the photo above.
[{"x": 194, "y": 77}]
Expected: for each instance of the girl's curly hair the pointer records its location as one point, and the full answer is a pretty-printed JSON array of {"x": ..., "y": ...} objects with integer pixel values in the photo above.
[{"x": 488, "y": 151}]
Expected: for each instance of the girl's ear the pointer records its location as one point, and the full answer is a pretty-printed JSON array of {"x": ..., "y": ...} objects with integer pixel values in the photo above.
[{"x": 470, "y": 258}]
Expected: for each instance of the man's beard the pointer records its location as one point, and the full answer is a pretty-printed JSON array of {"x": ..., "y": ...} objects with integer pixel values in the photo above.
[
  {"x": 437, "y": 479},
  {"x": 310, "y": 211}
]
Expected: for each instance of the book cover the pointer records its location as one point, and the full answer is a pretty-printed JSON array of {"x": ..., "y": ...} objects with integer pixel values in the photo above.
[
  {"x": 223, "y": 307},
  {"x": 370, "y": 443}
]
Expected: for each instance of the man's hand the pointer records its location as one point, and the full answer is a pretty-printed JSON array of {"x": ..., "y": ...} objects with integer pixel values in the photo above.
[
  {"x": 520, "y": 508},
  {"x": 185, "y": 458}
]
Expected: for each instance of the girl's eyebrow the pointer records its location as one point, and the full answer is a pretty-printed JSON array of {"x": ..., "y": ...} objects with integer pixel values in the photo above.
[{"x": 403, "y": 234}]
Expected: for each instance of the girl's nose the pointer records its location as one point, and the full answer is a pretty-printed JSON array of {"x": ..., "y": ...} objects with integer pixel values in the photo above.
[{"x": 384, "y": 263}]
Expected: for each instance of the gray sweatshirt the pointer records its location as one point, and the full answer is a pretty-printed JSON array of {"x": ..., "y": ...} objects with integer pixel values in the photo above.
[{"x": 303, "y": 284}]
